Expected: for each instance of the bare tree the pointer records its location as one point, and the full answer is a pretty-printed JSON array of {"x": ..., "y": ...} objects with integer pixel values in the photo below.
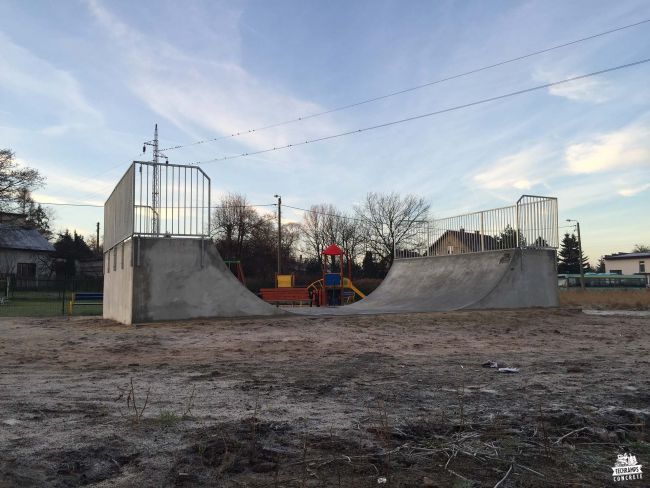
[
  {"x": 316, "y": 230},
  {"x": 15, "y": 180},
  {"x": 388, "y": 220},
  {"x": 233, "y": 223},
  {"x": 323, "y": 225}
]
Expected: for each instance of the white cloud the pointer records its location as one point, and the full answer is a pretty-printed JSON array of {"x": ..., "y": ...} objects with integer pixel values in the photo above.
[
  {"x": 593, "y": 90},
  {"x": 27, "y": 75},
  {"x": 522, "y": 170},
  {"x": 206, "y": 96},
  {"x": 625, "y": 148},
  {"x": 630, "y": 191}
]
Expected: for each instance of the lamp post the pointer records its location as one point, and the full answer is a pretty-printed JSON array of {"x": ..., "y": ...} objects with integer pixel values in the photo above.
[
  {"x": 582, "y": 271},
  {"x": 279, "y": 232}
]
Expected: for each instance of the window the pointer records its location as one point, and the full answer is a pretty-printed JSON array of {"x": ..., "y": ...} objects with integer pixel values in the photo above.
[
  {"x": 615, "y": 271},
  {"x": 26, "y": 271},
  {"x": 641, "y": 266}
]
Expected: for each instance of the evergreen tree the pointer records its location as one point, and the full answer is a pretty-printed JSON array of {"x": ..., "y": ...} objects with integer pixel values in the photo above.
[
  {"x": 369, "y": 266},
  {"x": 70, "y": 248},
  {"x": 569, "y": 258},
  {"x": 600, "y": 267}
]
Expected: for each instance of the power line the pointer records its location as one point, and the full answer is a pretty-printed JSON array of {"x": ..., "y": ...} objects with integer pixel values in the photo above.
[
  {"x": 323, "y": 213},
  {"x": 429, "y": 114},
  {"x": 407, "y": 90},
  {"x": 65, "y": 204}
]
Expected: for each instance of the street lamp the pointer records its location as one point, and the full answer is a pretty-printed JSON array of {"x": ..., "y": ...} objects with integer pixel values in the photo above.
[
  {"x": 279, "y": 233},
  {"x": 582, "y": 271}
]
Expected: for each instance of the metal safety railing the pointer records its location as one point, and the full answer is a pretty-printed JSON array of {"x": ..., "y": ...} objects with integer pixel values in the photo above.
[
  {"x": 158, "y": 200},
  {"x": 531, "y": 223}
]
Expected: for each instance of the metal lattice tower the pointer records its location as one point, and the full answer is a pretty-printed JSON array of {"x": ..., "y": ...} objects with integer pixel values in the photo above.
[{"x": 155, "y": 187}]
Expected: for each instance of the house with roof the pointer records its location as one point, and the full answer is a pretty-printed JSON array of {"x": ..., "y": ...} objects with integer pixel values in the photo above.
[
  {"x": 462, "y": 242},
  {"x": 628, "y": 263},
  {"x": 24, "y": 252}
]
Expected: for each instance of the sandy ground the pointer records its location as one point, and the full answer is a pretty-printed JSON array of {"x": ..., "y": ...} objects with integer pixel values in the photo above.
[{"x": 393, "y": 400}]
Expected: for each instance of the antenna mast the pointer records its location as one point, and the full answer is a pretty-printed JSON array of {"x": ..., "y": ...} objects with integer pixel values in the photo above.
[{"x": 155, "y": 187}]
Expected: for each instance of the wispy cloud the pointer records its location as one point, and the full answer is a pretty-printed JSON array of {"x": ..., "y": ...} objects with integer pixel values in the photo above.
[
  {"x": 522, "y": 170},
  {"x": 26, "y": 75},
  {"x": 630, "y": 191},
  {"x": 206, "y": 96},
  {"x": 592, "y": 90},
  {"x": 625, "y": 148}
]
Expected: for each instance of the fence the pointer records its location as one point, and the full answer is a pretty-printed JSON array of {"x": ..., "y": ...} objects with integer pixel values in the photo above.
[
  {"x": 43, "y": 298},
  {"x": 531, "y": 223},
  {"x": 158, "y": 199}
]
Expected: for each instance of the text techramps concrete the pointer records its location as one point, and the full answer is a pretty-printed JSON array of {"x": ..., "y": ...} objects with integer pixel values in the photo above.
[{"x": 513, "y": 278}]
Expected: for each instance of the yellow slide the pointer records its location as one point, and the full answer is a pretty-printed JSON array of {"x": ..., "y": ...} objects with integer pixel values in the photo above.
[{"x": 348, "y": 284}]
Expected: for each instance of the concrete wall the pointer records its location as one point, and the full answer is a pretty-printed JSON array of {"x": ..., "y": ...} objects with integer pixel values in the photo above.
[
  {"x": 118, "y": 283},
  {"x": 174, "y": 279}
]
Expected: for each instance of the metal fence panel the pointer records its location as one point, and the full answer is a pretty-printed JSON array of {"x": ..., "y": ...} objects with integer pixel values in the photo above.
[
  {"x": 158, "y": 200},
  {"x": 531, "y": 223}
]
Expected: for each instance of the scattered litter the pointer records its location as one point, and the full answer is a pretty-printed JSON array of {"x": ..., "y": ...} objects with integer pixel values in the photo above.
[
  {"x": 381, "y": 480},
  {"x": 490, "y": 364},
  {"x": 10, "y": 422},
  {"x": 508, "y": 370}
]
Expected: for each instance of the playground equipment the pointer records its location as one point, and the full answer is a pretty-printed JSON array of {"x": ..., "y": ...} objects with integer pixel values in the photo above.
[
  {"x": 236, "y": 268},
  {"x": 285, "y": 292},
  {"x": 334, "y": 288}
]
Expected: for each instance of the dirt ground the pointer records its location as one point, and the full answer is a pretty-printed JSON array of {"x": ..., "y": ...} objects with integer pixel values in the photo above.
[{"x": 388, "y": 401}]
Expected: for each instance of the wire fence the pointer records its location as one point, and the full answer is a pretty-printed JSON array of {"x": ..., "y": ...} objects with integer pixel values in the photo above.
[
  {"x": 48, "y": 298},
  {"x": 531, "y": 223}
]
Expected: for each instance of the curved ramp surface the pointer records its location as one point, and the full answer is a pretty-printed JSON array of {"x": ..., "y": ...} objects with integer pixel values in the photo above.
[
  {"x": 513, "y": 278},
  {"x": 154, "y": 279}
]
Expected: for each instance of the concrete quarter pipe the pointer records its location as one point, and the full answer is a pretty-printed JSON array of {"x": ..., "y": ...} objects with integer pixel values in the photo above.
[{"x": 512, "y": 278}]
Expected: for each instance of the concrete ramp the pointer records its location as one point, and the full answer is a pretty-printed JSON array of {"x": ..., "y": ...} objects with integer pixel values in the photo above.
[
  {"x": 514, "y": 278},
  {"x": 154, "y": 279}
]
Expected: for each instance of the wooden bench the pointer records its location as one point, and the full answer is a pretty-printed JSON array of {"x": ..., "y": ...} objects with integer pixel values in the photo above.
[
  {"x": 85, "y": 298},
  {"x": 287, "y": 296}
]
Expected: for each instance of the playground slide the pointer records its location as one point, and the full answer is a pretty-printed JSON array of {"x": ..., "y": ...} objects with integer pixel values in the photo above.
[{"x": 348, "y": 284}]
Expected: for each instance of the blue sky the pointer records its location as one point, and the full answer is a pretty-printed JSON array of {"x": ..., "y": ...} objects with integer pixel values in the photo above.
[{"x": 83, "y": 82}]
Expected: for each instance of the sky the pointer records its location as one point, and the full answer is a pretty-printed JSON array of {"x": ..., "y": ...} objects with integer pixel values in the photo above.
[{"x": 82, "y": 83}]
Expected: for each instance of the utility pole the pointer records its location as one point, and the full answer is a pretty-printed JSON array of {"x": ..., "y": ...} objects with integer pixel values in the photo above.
[
  {"x": 582, "y": 271},
  {"x": 97, "y": 244},
  {"x": 279, "y": 233}
]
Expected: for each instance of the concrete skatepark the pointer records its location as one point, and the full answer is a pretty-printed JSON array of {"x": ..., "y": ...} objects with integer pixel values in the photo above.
[
  {"x": 173, "y": 279},
  {"x": 161, "y": 265}
]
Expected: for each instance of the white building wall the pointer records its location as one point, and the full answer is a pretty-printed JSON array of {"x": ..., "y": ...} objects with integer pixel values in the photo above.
[
  {"x": 627, "y": 266},
  {"x": 9, "y": 259}
]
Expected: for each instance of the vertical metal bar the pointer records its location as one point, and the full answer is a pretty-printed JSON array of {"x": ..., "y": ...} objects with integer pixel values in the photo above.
[
  {"x": 185, "y": 200},
  {"x": 190, "y": 219}
]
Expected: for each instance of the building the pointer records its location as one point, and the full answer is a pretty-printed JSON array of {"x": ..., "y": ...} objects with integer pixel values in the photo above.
[
  {"x": 461, "y": 242},
  {"x": 24, "y": 252},
  {"x": 629, "y": 263}
]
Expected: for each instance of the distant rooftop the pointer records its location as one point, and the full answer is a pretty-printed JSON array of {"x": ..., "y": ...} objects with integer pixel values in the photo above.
[
  {"x": 18, "y": 237},
  {"x": 628, "y": 255}
]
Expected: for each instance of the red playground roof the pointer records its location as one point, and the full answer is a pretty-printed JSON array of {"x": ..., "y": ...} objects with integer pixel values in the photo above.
[{"x": 333, "y": 250}]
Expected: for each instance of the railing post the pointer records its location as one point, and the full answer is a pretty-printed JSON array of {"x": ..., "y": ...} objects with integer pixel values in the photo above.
[
  {"x": 517, "y": 225},
  {"x": 482, "y": 234}
]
